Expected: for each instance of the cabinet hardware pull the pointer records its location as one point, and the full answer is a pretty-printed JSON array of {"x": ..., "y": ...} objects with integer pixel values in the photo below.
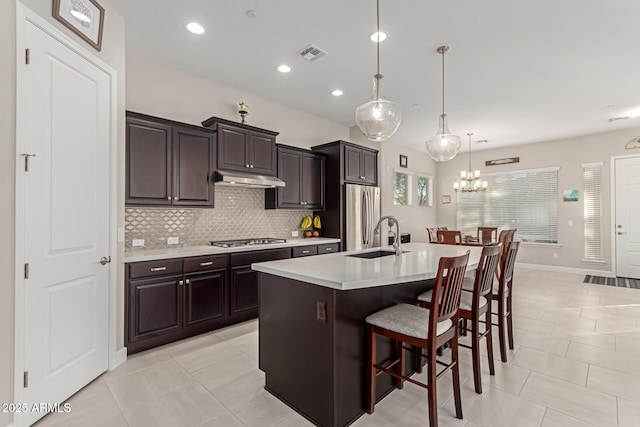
[
  {"x": 305, "y": 252},
  {"x": 328, "y": 249},
  {"x": 158, "y": 268},
  {"x": 246, "y": 166},
  {"x": 187, "y": 281},
  {"x": 175, "y": 198},
  {"x": 204, "y": 264},
  {"x": 180, "y": 282},
  {"x": 168, "y": 197},
  {"x": 251, "y": 166}
]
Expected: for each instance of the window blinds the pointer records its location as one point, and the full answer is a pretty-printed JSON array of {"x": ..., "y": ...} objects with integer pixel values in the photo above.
[
  {"x": 526, "y": 200},
  {"x": 592, "y": 177}
]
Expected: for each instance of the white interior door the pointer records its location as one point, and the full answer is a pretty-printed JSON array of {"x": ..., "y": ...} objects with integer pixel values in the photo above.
[
  {"x": 627, "y": 226},
  {"x": 66, "y": 129}
]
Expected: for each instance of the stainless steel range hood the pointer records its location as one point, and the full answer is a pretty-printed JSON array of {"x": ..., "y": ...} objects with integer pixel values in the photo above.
[{"x": 241, "y": 179}]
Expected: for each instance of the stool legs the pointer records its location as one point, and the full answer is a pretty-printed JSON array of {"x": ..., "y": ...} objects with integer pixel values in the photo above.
[
  {"x": 475, "y": 353},
  {"x": 371, "y": 369},
  {"x": 489, "y": 339},
  {"x": 456, "y": 379}
]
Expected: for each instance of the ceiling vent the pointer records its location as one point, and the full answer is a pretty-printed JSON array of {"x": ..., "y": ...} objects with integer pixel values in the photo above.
[{"x": 311, "y": 53}]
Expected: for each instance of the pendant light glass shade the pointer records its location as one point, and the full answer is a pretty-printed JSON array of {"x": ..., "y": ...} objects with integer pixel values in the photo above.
[
  {"x": 379, "y": 118},
  {"x": 443, "y": 146}
]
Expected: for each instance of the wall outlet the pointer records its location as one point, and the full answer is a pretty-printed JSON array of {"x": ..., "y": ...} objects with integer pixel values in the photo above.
[
  {"x": 570, "y": 223},
  {"x": 137, "y": 242},
  {"x": 294, "y": 233},
  {"x": 555, "y": 255},
  {"x": 173, "y": 240}
]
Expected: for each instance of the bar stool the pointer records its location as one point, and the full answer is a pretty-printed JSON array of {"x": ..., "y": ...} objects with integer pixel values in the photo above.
[
  {"x": 503, "y": 294},
  {"x": 425, "y": 329},
  {"x": 474, "y": 305}
]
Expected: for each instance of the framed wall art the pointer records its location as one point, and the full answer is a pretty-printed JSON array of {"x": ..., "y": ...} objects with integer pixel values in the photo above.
[
  {"x": 404, "y": 162},
  {"x": 83, "y": 17}
]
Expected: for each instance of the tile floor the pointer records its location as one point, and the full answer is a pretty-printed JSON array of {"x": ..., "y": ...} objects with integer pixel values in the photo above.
[{"x": 576, "y": 363}]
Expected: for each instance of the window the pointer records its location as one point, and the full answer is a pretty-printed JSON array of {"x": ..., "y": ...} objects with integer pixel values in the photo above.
[
  {"x": 425, "y": 190},
  {"x": 592, "y": 177},
  {"x": 401, "y": 189},
  {"x": 526, "y": 200}
]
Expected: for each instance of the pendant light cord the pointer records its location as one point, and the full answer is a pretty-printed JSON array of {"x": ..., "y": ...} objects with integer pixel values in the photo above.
[
  {"x": 378, "y": 49},
  {"x": 443, "y": 52},
  {"x": 469, "y": 151}
]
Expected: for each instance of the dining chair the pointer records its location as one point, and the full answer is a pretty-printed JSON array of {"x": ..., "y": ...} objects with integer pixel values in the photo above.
[
  {"x": 505, "y": 238},
  {"x": 432, "y": 234},
  {"x": 450, "y": 237},
  {"x": 487, "y": 234},
  {"x": 475, "y": 305},
  {"x": 425, "y": 329}
]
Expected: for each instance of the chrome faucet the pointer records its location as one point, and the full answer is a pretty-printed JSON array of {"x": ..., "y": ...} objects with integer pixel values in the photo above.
[{"x": 396, "y": 241}]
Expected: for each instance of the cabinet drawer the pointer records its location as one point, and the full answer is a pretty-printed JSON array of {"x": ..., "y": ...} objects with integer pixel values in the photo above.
[
  {"x": 205, "y": 263},
  {"x": 304, "y": 251},
  {"x": 328, "y": 248},
  {"x": 248, "y": 258},
  {"x": 155, "y": 268}
]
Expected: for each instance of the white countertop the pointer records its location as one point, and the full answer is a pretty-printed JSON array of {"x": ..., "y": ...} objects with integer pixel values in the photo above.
[
  {"x": 135, "y": 255},
  {"x": 342, "y": 272}
]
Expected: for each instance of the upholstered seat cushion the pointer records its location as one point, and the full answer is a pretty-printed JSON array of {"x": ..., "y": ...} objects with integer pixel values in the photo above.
[
  {"x": 408, "y": 320},
  {"x": 466, "y": 298}
]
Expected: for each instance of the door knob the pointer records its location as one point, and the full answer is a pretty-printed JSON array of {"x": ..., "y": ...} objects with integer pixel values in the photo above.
[
  {"x": 105, "y": 260},
  {"x": 620, "y": 233}
]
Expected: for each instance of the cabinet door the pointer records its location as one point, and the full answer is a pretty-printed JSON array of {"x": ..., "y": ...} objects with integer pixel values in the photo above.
[
  {"x": 154, "y": 307},
  {"x": 193, "y": 165},
  {"x": 353, "y": 164},
  {"x": 148, "y": 163},
  {"x": 233, "y": 148},
  {"x": 262, "y": 154},
  {"x": 244, "y": 291},
  {"x": 289, "y": 170},
  {"x": 204, "y": 298},
  {"x": 370, "y": 167},
  {"x": 312, "y": 181}
]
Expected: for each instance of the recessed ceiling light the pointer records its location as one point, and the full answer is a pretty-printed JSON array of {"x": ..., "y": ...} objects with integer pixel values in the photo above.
[
  {"x": 283, "y": 68},
  {"x": 195, "y": 28},
  {"x": 378, "y": 36},
  {"x": 80, "y": 16},
  {"x": 337, "y": 92}
]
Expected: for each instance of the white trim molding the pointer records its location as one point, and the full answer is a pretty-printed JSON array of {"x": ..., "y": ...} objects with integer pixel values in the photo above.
[{"x": 569, "y": 270}]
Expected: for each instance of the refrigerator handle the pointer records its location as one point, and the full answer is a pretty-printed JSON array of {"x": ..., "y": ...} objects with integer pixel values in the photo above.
[
  {"x": 365, "y": 219},
  {"x": 369, "y": 219}
]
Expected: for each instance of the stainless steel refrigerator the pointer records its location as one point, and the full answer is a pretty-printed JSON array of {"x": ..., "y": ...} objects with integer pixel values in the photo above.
[{"x": 362, "y": 211}]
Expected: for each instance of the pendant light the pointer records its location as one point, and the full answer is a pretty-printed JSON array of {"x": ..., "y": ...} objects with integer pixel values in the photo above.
[
  {"x": 379, "y": 118},
  {"x": 469, "y": 179},
  {"x": 444, "y": 146}
]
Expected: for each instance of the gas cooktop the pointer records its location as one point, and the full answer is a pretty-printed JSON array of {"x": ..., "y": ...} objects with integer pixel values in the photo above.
[{"x": 246, "y": 242}]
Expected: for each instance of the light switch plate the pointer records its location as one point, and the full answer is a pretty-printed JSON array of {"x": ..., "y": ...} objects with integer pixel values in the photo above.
[
  {"x": 173, "y": 240},
  {"x": 137, "y": 242},
  {"x": 294, "y": 233}
]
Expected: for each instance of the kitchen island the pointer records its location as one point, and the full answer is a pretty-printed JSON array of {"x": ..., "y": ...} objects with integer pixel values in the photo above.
[{"x": 312, "y": 328}]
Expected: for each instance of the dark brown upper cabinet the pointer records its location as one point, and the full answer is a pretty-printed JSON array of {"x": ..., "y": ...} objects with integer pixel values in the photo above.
[
  {"x": 303, "y": 173},
  {"x": 168, "y": 163},
  {"x": 360, "y": 165},
  {"x": 244, "y": 148}
]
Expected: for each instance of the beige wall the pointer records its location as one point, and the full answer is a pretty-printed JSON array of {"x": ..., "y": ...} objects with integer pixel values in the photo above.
[
  {"x": 7, "y": 156},
  {"x": 164, "y": 92},
  {"x": 113, "y": 54},
  {"x": 569, "y": 155}
]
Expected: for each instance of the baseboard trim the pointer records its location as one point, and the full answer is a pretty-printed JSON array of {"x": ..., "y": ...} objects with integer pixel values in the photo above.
[
  {"x": 118, "y": 358},
  {"x": 571, "y": 270}
]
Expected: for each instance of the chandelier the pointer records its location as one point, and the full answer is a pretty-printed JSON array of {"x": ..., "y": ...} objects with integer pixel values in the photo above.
[
  {"x": 444, "y": 145},
  {"x": 469, "y": 179},
  {"x": 379, "y": 118}
]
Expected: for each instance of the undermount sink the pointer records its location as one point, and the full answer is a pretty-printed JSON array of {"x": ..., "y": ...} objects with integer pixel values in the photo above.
[{"x": 374, "y": 254}]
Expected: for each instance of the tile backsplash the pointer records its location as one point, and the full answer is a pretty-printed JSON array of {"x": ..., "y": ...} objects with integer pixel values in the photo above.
[{"x": 239, "y": 213}]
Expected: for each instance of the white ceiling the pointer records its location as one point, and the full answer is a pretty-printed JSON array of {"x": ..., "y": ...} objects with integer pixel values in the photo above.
[{"x": 516, "y": 72}]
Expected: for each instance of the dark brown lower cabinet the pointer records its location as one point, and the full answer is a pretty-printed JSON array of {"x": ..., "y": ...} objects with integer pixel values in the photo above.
[
  {"x": 168, "y": 300},
  {"x": 205, "y": 298},
  {"x": 243, "y": 281}
]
